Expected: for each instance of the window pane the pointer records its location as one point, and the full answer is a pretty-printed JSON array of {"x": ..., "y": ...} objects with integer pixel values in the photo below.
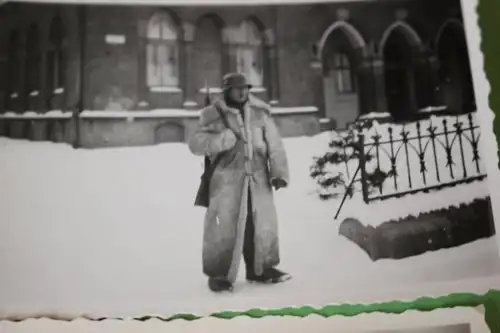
[
  {"x": 152, "y": 72},
  {"x": 13, "y": 62},
  {"x": 153, "y": 29},
  {"x": 56, "y": 34},
  {"x": 165, "y": 67},
  {"x": 168, "y": 30},
  {"x": 161, "y": 26},
  {"x": 241, "y": 61},
  {"x": 256, "y": 67},
  {"x": 173, "y": 65},
  {"x": 336, "y": 61},
  {"x": 346, "y": 79},
  {"x": 32, "y": 74},
  {"x": 250, "y": 63},
  {"x": 60, "y": 69},
  {"x": 55, "y": 74},
  {"x": 345, "y": 61},
  {"x": 254, "y": 37},
  {"x": 338, "y": 81}
]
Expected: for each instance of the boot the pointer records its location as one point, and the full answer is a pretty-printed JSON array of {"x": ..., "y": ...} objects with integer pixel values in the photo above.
[
  {"x": 270, "y": 276},
  {"x": 219, "y": 285}
]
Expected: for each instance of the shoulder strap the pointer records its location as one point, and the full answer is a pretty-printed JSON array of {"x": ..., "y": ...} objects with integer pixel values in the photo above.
[
  {"x": 224, "y": 120},
  {"x": 222, "y": 116},
  {"x": 218, "y": 158}
]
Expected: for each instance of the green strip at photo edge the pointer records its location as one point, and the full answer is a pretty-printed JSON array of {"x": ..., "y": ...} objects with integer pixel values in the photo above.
[{"x": 490, "y": 301}]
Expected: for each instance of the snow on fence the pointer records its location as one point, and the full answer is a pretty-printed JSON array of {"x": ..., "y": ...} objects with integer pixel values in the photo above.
[{"x": 396, "y": 160}]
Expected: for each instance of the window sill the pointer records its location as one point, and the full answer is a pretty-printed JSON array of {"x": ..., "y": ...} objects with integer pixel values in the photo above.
[
  {"x": 165, "y": 89},
  {"x": 217, "y": 90},
  {"x": 214, "y": 90},
  {"x": 258, "y": 90}
]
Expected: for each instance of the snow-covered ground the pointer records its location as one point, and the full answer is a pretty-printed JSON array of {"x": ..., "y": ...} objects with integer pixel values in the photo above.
[{"x": 114, "y": 231}]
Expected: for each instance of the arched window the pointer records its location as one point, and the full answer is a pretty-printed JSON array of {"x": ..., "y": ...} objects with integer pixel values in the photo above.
[
  {"x": 13, "y": 67},
  {"x": 55, "y": 57},
  {"x": 162, "y": 53},
  {"x": 344, "y": 79},
  {"x": 32, "y": 71},
  {"x": 250, "y": 53}
]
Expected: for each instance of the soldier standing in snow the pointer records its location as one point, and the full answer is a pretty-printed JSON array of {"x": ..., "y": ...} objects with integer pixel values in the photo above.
[{"x": 241, "y": 216}]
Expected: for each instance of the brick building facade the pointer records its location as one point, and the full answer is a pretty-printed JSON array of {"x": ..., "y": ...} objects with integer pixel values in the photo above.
[{"x": 145, "y": 68}]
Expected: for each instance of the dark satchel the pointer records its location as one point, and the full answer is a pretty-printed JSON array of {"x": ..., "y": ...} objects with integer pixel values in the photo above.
[{"x": 203, "y": 195}]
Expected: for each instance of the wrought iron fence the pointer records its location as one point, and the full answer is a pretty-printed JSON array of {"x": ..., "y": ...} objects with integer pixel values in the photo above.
[{"x": 419, "y": 158}]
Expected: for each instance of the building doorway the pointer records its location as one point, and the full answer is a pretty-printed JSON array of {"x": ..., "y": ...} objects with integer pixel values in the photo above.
[
  {"x": 340, "y": 75},
  {"x": 454, "y": 72},
  {"x": 399, "y": 76}
]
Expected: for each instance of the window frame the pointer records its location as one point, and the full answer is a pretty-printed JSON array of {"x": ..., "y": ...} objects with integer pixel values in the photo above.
[
  {"x": 171, "y": 44},
  {"x": 342, "y": 69},
  {"x": 253, "y": 40}
]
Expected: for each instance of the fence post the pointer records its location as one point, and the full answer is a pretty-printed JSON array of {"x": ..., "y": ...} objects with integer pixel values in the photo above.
[{"x": 362, "y": 167}]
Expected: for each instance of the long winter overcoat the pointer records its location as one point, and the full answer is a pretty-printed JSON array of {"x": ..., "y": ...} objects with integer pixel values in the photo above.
[{"x": 247, "y": 168}]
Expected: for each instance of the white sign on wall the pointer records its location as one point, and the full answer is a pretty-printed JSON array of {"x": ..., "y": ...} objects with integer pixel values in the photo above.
[{"x": 115, "y": 39}]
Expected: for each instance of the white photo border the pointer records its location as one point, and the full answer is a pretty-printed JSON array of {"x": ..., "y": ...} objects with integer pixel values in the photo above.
[{"x": 411, "y": 292}]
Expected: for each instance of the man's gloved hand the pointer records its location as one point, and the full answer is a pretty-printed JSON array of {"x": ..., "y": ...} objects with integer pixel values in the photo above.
[{"x": 278, "y": 183}]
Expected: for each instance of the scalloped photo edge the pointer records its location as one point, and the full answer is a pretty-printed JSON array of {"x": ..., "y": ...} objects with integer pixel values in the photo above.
[{"x": 411, "y": 321}]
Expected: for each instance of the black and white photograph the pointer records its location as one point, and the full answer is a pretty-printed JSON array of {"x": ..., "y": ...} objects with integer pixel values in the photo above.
[{"x": 160, "y": 158}]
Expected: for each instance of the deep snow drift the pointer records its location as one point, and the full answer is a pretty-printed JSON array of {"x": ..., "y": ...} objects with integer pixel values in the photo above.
[{"x": 114, "y": 232}]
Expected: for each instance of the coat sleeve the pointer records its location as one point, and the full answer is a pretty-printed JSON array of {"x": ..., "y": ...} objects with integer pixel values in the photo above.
[
  {"x": 211, "y": 137},
  {"x": 278, "y": 162}
]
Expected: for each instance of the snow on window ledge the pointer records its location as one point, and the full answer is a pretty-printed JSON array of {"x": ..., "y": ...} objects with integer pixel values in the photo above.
[
  {"x": 294, "y": 110},
  {"x": 375, "y": 115},
  {"x": 274, "y": 102},
  {"x": 156, "y": 113},
  {"x": 217, "y": 90},
  {"x": 165, "y": 89},
  {"x": 190, "y": 104},
  {"x": 58, "y": 91},
  {"x": 258, "y": 89},
  {"x": 178, "y": 113},
  {"x": 433, "y": 109},
  {"x": 34, "y": 93},
  {"x": 14, "y": 95},
  {"x": 53, "y": 114},
  {"x": 214, "y": 90}
]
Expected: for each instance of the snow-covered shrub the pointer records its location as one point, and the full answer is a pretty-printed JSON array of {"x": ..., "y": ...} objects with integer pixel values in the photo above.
[{"x": 335, "y": 170}]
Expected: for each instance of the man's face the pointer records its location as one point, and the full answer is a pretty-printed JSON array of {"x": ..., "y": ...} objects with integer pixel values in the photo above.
[{"x": 239, "y": 94}]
